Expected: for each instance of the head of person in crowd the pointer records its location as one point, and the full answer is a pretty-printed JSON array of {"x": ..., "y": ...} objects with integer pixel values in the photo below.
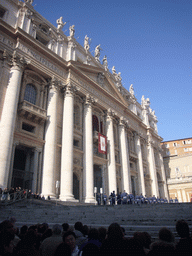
[
  {"x": 70, "y": 238},
  {"x": 140, "y": 237},
  {"x": 63, "y": 250},
  {"x": 161, "y": 248},
  {"x": 6, "y": 243},
  {"x": 147, "y": 240},
  {"x": 78, "y": 226},
  {"x": 7, "y": 225},
  {"x": 114, "y": 232},
  {"x": 57, "y": 229},
  {"x": 65, "y": 227},
  {"x": 166, "y": 235},
  {"x": 182, "y": 228}
]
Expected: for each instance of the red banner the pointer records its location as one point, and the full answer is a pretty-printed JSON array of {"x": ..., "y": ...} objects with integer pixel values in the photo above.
[{"x": 102, "y": 145}]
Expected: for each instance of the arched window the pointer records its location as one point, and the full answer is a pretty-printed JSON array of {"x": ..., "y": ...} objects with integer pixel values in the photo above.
[
  {"x": 95, "y": 124},
  {"x": 30, "y": 93}
]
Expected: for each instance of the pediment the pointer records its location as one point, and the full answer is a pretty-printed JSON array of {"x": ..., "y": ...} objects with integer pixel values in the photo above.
[{"x": 100, "y": 78}]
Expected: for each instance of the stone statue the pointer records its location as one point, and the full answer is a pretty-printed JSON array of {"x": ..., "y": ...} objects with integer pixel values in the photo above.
[
  {"x": 118, "y": 77},
  {"x": 72, "y": 31},
  {"x": 145, "y": 103},
  {"x": 97, "y": 52},
  {"x": 114, "y": 71},
  {"x": 131, "y": 90},
  {"x": 60, "y": 23},
  {"x": 105, "y": 63},
  {"x": 86, "y": 44},
  {"x": 28, "y": 1}
]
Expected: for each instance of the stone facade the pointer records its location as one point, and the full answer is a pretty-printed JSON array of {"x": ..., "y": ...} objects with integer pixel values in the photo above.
[
  {"x": 177, "y": 157},
  {"x": 55, "y": 100}
]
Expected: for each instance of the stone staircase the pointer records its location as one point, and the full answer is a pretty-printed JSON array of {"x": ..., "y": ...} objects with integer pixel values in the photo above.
[{"x": 133, "y": 218}]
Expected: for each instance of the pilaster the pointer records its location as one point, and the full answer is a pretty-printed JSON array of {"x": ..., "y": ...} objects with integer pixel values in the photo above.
[{"x": 163, "y": 175}]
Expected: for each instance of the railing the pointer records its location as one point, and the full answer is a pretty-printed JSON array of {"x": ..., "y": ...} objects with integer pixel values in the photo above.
[{"x": 7, "y": 198}]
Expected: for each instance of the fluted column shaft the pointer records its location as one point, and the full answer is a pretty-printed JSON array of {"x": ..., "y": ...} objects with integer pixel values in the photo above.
[
  {"x": 49, "y": 163},
  {"x": 111, "y": 154},
  {"x": 8, "y": 118},
  {"x": 140, "y": 165},
  {"x": 126, "y": 176},
  {"x": 88, "y": 176},
  {"x": 152, "y": 168},
  {"x": 66, "y": 184}
]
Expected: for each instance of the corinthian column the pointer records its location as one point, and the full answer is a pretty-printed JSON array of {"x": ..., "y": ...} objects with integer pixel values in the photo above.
[
  {"x": 152, "y": 167},
  {"x": 49, "y": 161},
  {"x": 66, "y": 185},
  {"x": 126, "y": 176},
  {"x": 88, "y": 177},
  {"x": 8, "y": 117},
  {"x": 111, "y": 152},
  {"x": 140, "y": 165}
]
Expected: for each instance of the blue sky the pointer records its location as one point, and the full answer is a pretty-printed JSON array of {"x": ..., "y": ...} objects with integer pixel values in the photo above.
[{"x": 148, "y": 41}]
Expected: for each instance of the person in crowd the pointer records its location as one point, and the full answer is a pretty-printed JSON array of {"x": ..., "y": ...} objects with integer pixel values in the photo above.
[
  {"x": 176, "y": 200},
  {"x": 132, "y": 198},
  {"x": 114, "y": 244},
  {"x": 124, "y": 197},
  {"x": 113, "y": 197},
  {"x": 50, "y": 244},
  {"x": 6, "y": 243},
  {"x": 65, "y": 227},
  {"x": 184, "y": 246},
  {"x": 104, "y": 199},
  {"x": 70, "y": 238},
  {"x": 80, "y": 238},
  {"x": 98, "y": 198},
  {"x": 141, "y": 197}
]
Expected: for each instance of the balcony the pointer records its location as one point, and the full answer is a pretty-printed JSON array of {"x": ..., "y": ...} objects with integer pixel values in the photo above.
[{"x": 32, "y": 112}]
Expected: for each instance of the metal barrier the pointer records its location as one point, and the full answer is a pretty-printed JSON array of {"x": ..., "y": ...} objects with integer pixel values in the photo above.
[{"x": 7, "y": 198}]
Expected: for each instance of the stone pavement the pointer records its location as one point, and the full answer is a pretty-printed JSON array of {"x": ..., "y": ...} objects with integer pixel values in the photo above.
[{"x": 133, "y": 218}]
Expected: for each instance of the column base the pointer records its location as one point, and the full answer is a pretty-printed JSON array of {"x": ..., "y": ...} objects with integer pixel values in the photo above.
[
  {"x": 90, "y": 200},
  {"x": 68, "y": 198}
]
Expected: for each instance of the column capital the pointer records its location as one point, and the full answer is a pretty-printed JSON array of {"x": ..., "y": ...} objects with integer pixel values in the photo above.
[
  {"x": 123, "y": 122},
  {"x": 110, "y": 113},
  {"x": 89, "y": 100},
  {"x": 55, "y": 84},
  {"x": 17, "y": 62}
]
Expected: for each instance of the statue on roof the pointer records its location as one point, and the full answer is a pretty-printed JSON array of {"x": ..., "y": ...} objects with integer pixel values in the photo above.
[
  {"x": 114, "y": 71},
  {"x": 131, "y": 90},
  {"x": 105, "y": 63},
  {"x": 97, "y": 52},
  {"x": 60, "y": 23},
  {"x": 72, "y": 31},
  {"x": 86, "y": 44}
]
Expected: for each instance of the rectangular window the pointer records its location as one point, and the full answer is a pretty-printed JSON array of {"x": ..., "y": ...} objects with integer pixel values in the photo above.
[
  {"x": 167, "y": 145},
  {"x": 28, "y": 127},
  {"x": 186, "y": 149},
  {"x": 175, "y": 144},
  {"x": 75, "y": 143}
]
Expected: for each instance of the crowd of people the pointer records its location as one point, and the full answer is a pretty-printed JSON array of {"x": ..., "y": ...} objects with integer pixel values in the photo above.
[
  {"x": 80, "y": 240},
  {"x": 125, "y": 198}
]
